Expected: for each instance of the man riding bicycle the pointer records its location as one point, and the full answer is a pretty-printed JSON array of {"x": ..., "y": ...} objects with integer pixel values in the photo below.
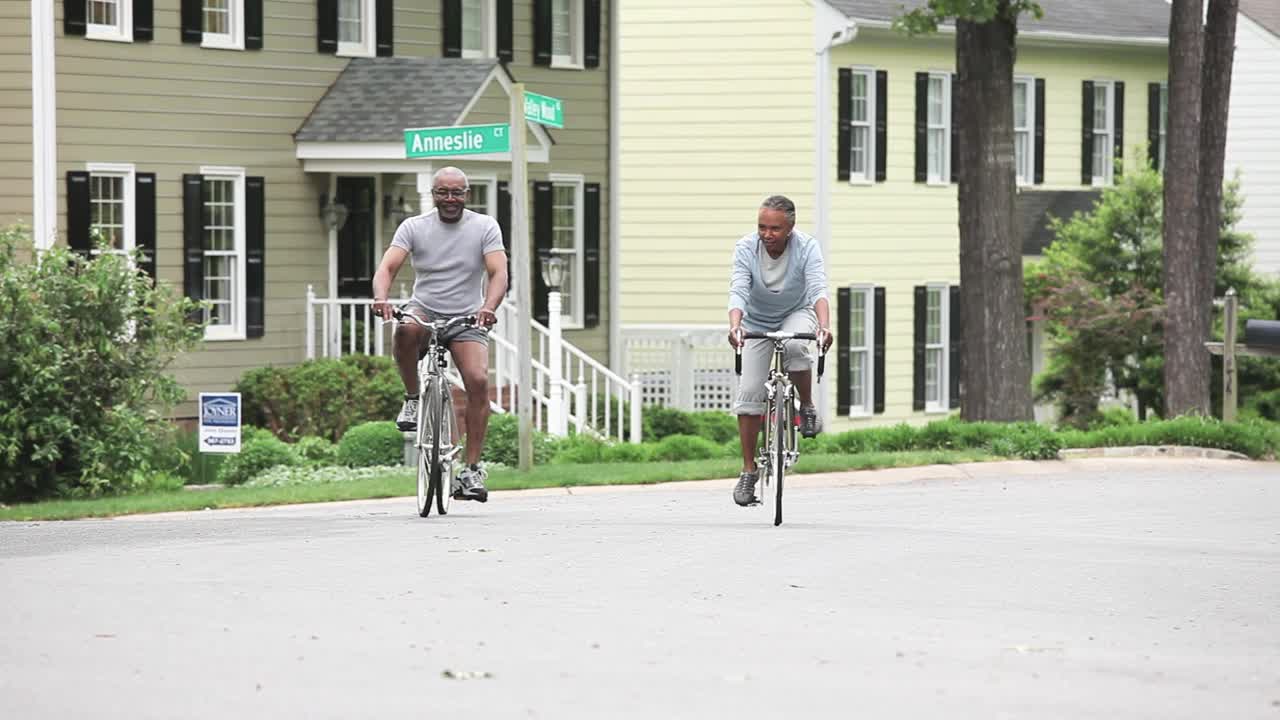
[
  {"x": 778, "y": 283},
  {"x": 452, "y": 249}
]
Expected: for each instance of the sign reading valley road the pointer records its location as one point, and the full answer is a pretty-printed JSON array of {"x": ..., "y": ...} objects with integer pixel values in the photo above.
[
  {"x": 456, "y": 140},
  {"x": 544, "y": 109}
]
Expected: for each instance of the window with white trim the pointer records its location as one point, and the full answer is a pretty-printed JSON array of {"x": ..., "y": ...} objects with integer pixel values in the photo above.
[
  {"x": 482, "y": 196},
  {"x": 566, "y": 33},
  {"x": 1103, "y": 132},
  {"x": 1164, "y": 122},
  {"x": 109, "y": 20},
  {"x": 862, "y": 115},
  {"x": 861, "y": 340},
  {"x": 939, "y": 130},
  {"x": 223, "y": 232},
  {"x": 566, "y": 241},
  {"x": 937, "y": 337},
  {"x": 478, "y": 28},
  {"x": 222, "y": 23},
  {"x": 356, "y": 27},
  {"x": 111, "y": 208},
  {"x": 1024, "y": 123}
]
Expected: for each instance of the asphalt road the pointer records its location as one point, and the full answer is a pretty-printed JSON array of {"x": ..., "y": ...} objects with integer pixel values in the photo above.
[{"x": 1086, "y": 589}]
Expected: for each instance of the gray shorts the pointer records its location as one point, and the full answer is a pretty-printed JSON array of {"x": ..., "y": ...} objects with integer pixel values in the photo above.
[
  {"x": 454, "y": 334},
  {"x": 757, "y": 358}
]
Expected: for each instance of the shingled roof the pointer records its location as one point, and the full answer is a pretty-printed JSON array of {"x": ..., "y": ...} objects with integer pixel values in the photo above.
[
  {"x": 375, "y": 99},
  {"x": 1129, "y": 19},
  {"x": 1032, "y": 209},
  {"x": 1264, "y": 12}
]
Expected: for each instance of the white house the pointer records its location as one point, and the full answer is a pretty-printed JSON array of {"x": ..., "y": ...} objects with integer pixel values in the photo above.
[{"x": 1253, "y": 126}]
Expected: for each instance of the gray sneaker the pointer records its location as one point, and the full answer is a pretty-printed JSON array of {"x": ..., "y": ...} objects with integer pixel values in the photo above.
[
  {"x": 407, "y": 420},
  {"x": 809, "y": 424},
  {"x": 471, "y": 484},
  {"x": 745, "y": 492}
]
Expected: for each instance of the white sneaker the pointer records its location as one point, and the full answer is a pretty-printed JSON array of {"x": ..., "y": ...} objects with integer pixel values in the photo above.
[{"x": 407, "y": 420}]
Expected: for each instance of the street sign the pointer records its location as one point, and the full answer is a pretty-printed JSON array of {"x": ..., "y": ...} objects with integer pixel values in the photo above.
[
  {"x": 456, "y": 140},
  {"x": 543, "y": 109},
  {"x": 220, "y": 422}
]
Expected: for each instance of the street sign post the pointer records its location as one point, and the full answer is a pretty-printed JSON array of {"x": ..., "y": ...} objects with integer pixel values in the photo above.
[
  {"x": 456, "y": 140},
  {"x": 543, "y": 109},
  {"x": 220, "y": 422}
]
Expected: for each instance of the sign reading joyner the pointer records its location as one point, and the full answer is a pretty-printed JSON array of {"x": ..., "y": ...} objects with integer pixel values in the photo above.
[
  {"x": 456, "y": 140},
  {"x": 220, "y": 422}
]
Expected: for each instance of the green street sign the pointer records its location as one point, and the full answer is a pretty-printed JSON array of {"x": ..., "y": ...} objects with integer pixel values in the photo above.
[
  {"x": 456, "y": 140},
  {"x": 543, "y": 109}
]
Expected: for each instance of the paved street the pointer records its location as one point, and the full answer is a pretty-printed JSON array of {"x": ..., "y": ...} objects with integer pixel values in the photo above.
[{"x": 1088, "y": 589}]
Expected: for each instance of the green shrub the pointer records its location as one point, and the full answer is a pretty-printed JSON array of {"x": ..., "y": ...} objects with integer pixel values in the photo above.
[
  {"x": 84, "y": 384},
  {"x": 284, "y": 476},
  {"x": 260, "y": 452},
  {"x": 627, "y": 452},
  {"x": 715, "y": 426},
  {"x": 321, "y": 397},
  {"x": 1265, "y": 405},
  {"x": 578, "y": 449},
  {"x": 1115, "y": 416},
  {"x": 316, "y": 451},
  {"x": 1255, "y": 438},
  {"x": 1034, "y": 442},
  {"x": 660, "y": 421},
  {"x": 685, "y": 447},
  {"x": 371, "y": 443},
  {"x": 733, "y": 448},
  {"x": 502, "y": 442}
]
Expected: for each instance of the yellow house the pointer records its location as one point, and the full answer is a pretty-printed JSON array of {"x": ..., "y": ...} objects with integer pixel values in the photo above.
[{"x": 724, "y": 102}]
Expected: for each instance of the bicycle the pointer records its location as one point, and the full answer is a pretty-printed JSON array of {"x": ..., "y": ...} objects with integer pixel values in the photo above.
[
  {"x": 778, "y": 449},
  {"x": 437, "y": 436}
]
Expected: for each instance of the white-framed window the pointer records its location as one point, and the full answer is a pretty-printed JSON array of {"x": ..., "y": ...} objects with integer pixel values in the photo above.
[
  {"x": 1164, "y": 124},
  {"x": 478, "y": 29},
  {"x": 223, "y": 231},
  {"x": 356, "y": 27},
  {"x": 222, "y": 22},
  {"x": 111, "y": 207},
  {"x": 566, "y": 241},
  {"x": 483, "y": 198},
  {"x": 109, "y": 20},
  {"x": 566, "y": 34},
  {"x": 936, "y": 338},
  {"x": 939, "y": 131},
  {"x": 1024, "y": 124},
  {"x": 861, "y": 340},
  {"x": 1103, "y": 131},
  {"x": 862, "y": 135}
]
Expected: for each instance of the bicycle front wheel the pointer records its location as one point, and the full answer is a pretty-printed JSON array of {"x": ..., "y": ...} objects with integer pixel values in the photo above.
[
  {"x": 446, "y": 444},
  {"x": 784, "y": 422},
  {"x": 424, "y": 445}
]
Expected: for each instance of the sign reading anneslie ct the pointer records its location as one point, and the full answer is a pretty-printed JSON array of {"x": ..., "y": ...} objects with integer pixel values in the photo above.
[{"x": 456, "y": 140}]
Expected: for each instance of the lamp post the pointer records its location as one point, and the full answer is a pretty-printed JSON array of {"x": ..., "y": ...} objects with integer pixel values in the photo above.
[{"x": 552, "y": 267}]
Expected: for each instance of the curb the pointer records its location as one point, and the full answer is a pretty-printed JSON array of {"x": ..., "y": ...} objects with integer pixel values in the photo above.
[{"x": 1149, "y": 451}]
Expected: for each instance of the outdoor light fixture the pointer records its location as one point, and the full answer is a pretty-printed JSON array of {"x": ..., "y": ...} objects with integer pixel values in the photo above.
[
  {"x": 398, "y": 211},
  {"x": 332, "y": 214},
  {"x": 553, "y": 267}
]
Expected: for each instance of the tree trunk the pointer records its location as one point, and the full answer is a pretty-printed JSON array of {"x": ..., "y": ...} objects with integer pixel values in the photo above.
[
  {"x": 1215, "y": 88},
  {"x": 1186, "y": 362},
  {"x": 995, "y": 362}
]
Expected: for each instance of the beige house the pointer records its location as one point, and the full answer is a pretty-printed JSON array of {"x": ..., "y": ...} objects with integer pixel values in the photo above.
[{"x": 253, "y": 149}]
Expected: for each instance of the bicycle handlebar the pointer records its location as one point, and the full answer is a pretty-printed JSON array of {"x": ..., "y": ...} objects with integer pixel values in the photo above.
[
  {"x": 777, "y": 336},
  {"x": 437, "y": 325}
]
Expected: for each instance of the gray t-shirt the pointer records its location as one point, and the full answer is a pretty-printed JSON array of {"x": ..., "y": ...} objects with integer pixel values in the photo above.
[{"x": 448, "y": 259}]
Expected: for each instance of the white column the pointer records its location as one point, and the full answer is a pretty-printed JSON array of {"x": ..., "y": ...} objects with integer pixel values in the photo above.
[
  {"x": 556, "y": 415},
  {"x": 44, "y": 126},
  {"x": 635, "y": 408},
  {"x": 425, "y": 202}
]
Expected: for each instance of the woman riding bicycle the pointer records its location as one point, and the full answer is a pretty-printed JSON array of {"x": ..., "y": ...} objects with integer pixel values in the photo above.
[{"x": 778, "y": 283}]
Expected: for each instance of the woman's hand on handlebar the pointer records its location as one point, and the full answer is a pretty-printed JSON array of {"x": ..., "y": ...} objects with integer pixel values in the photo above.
[
  {"x": 824, "y": 339},
  {"x": 735, "y": 337}
]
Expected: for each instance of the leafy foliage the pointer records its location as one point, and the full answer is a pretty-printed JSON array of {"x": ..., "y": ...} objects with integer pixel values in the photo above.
[
  {"x": 372, "y": 443},
  {"x": 321, "y": 397},
  {"x": 924, "y": 21},
  {"x": 258, "y": 452}
]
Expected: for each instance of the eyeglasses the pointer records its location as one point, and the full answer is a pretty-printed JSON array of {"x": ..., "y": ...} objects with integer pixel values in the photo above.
[{"x": 442, "y": 193}]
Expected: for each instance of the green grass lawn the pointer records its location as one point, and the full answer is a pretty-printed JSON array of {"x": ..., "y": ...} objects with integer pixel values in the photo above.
[{"x": 403, "y": 484}]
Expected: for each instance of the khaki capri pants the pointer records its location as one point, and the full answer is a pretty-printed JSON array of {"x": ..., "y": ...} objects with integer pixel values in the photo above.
[{"x": 757, "y": 357}]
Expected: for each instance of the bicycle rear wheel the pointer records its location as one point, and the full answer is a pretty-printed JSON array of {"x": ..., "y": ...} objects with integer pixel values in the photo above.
[
  {"x": 446, "y": 442},
  {"x": 424, "y": 445},
  {"x": 783, "y": 425}
]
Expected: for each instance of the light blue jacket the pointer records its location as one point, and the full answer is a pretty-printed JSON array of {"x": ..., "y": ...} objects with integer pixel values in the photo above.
[{"x": 764, "y": 309}]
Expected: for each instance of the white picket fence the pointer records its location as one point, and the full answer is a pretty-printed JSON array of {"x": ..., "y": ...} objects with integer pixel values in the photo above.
[
  {"x": 689, "y": 367},
  {"x": 596, "y": 400}
]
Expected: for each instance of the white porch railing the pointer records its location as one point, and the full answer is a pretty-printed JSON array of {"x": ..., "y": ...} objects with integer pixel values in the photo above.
[
  {"x": 689, "y": 367},
  {"x": 593, "y": 398}
]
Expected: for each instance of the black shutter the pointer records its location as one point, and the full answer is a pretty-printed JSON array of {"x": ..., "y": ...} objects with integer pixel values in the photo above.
[
  {"x": 844, "y": 133},
  {"x": 193, "y": 21},
  {"x": 193, "y": 239},
  {"x": 327, "y": 26},
  {"x": 74, "y": 18},
  {"x": 1086, "y": 135},
  {"x": 542, "y": 232},
  {"x": 591, "y": 255},
  {"x": 78, "y": 211},
  {"x": 144, "y": 217},
  {"x": 882, "y": 123},
  {"x": 504, "y": 218},
  {"x": 954, "y": 346},
  {"x": 1118, "y": 129},
  {"x": 591, "y": 34},
  {"x": 506, "y": 32},
  {"x": 917, "y": 347},
  {"x": 954, "y": 141},
  {"x": 843, "y": 392},
  {"x": 253, "y": 24},
  {"x": 451, "y": 23},
  {"x": 922, "y": 127},
  {"x": 255, "y": 247},
  {"x": 1153, "y": 125},
  {"x": 542, "y": 32},
  {"x": 143, "y": 24},
  {"x": 1039, "y": 137},
  {"x": 384, "y": 28},
  {"x": 877, "y": 356}
]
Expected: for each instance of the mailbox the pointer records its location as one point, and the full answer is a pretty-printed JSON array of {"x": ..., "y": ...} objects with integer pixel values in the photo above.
[{"x": 1262, "y": 334}]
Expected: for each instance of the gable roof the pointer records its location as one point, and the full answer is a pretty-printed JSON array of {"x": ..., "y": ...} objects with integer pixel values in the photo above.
[
  {"x": 375, "y": 99},
  {"x": 1032, "y": 208},
  {"x": 1146, "y": 20},
  {"x": 1264, "y": 12}
]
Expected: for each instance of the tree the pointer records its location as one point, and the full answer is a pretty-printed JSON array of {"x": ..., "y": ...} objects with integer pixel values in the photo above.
[{"x": 995, "y": 366}]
